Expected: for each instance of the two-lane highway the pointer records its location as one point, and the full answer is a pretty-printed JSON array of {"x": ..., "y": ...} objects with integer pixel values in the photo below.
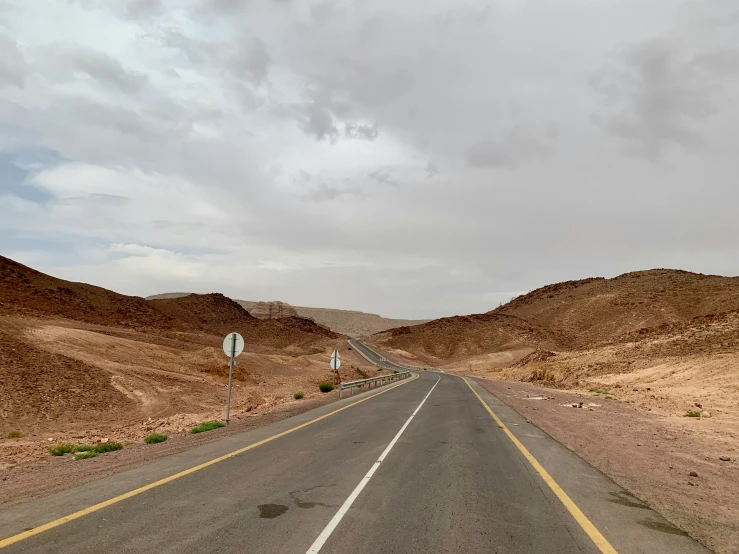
[{"x": 422, "y": 466}]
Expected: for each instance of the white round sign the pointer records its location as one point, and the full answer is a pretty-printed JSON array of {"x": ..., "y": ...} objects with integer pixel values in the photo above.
[
  {"x": 228, "y": 344},
  {"x": 335, "y": 363}
]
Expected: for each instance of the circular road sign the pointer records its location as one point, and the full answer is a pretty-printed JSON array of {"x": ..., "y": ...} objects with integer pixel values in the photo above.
[
  {"x": 335, "y": 363},
  {"x": 228, "y": 344}
]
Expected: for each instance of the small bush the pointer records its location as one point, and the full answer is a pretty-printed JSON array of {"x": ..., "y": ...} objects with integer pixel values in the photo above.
[
  {"x": 207, "y": 426},
  {"x": 84, "y": 448},
  {"x": 14, "y": 435},
  {"x": 108, "y": 446},
  {"x": 692, "y": 413},
  {"x": 298, "y": 395},
  {"x": 85, "y": 455},
  {"x": 61, "y": 449},
  {"x": 154, "y": 438},
  {"x": 325, "y": 386},
  {"x": 609, "y": 398},
  {"x": 598, "y": 391}
]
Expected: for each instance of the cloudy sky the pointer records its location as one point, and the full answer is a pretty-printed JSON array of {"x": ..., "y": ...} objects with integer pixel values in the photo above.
[{"x": 415, "y": 159}]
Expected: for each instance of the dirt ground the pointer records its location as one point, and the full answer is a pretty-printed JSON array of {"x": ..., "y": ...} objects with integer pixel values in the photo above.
[
  {"x": 649, "y": 452},
  {"x": 82, "y": 383}
]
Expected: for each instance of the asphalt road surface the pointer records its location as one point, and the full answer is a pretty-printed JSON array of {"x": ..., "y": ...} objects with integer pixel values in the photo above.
[{"x": 432, "y": 464}]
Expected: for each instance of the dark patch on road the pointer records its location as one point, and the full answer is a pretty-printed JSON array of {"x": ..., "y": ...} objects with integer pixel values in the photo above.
[
  {"x": 625, "y": 499},
  {"x": 306, "y": 504},
  {"x": 663, "y": 527},
  {"x": 271, "y": 511}
]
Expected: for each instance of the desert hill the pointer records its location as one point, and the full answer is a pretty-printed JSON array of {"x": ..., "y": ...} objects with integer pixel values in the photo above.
[
  {"x": 596, "y": 310},
  {"x": 459, "y": 337},
  {"x": 76, "y": 359},
  {"x": 572, "y": 315},
  {"x": 25, "y": 291},
  {"x": 346, "y": 322}
]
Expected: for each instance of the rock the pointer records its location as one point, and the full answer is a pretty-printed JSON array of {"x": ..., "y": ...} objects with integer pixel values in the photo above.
[
  {"x": 574, "y": 405},
  {"x": 272, "y": 310},
  {"x": 724, "y": 458},
  {"x": 693, "y": 474},
  {"x": 691, "y": 483},
  {"x": 705, "y": 414},
  {"x": 698, "y": 405},
  {"x": 579, "y": 405}
]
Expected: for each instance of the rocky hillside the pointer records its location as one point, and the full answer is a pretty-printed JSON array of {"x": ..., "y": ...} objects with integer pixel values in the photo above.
[
  {"x": 459, "y": 337},
  {"x": 30, "y": 293},
  {"x": 269, "y": 310},
  {"x": 596, "y": 310},
  {"x": 25, "y": 291},
  {"x": 574, "y": 315}
]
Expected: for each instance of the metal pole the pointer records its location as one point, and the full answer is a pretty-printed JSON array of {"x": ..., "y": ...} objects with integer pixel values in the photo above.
[{"x": 230, "y": 376}]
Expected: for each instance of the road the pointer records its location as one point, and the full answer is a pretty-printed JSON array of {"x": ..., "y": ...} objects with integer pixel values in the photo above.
[
  {"x": 421, "y": 466},
  {"x": 374, "y": 357}
]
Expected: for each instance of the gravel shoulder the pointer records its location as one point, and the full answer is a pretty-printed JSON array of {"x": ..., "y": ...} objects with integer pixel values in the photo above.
[{"x": 651, "y": 455}]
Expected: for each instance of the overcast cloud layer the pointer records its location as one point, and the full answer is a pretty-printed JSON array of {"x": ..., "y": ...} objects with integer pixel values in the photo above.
[{"x": 415, "y": 158}]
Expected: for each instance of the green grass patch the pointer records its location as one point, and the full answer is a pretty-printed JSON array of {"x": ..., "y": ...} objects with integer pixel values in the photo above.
[
  {"x": 108, "y": 446},
  {"x": 326, "y": 386},
  {"x": 609, "y": 398},
  {"x": 14, "y": 435},
  {"x": 86, "y": 455},
  {"x": 598, "y": 391},
  {"x": 154, "y": 438},
  {"x": 298, "y": 396},
  {"x": 692, "y": 413},
  {"x": 207, "y": 426},
  {"x": 84, "y": 448},
  {"x": 61, "y": 449}
]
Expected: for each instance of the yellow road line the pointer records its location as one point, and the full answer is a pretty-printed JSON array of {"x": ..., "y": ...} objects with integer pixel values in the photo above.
[
  {"x": 71, "y": 517},
  {"x": 600, "y": 541}
]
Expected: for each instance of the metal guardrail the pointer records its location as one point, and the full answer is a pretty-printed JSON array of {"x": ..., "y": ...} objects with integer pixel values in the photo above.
[{"x": 377, "y": 381}]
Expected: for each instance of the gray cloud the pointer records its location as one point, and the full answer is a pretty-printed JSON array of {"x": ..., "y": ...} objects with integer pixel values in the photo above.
[
  {"x": 13, "y": 67},
  {"x": 324, "y": 193},
  {"x": 141, "y": 9},
  {"x": 382, "y": 176},
  {"x": 101, "y": 200},
  {"x": 366, "y": 132},
  {"x": 255, "y": 130},
  {"x": 63, "y": 62},
  {"x": 515, "y": 147},
  {"x": 659, "y": 98}
]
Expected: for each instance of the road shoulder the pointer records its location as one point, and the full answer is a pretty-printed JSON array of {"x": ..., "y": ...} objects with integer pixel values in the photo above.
[{"x": 608, "y": 506}]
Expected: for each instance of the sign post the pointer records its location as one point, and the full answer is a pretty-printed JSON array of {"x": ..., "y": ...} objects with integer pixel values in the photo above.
[
  {"x": 335, "y": 363},
  {"x": 233, "y": 345}
]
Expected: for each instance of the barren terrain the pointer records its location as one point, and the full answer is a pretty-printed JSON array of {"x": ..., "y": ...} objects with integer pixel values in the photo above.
[{"x": 82, "y": 364}]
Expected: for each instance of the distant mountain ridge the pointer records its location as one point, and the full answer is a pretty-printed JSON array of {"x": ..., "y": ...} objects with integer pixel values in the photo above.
[{"x": 347, "y": 322}]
